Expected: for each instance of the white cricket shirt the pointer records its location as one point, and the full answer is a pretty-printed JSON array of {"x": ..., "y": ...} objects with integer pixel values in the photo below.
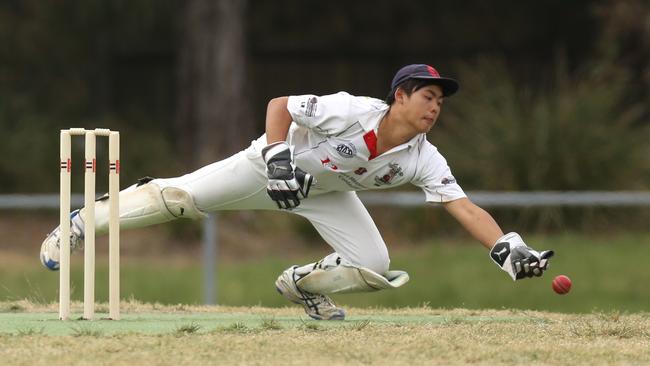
[{"x": 334, "y": 138}]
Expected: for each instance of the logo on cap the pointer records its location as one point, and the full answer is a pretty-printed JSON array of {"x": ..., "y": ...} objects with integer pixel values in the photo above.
[
  {"x": 426, "y": 72},
  {"x": 433, "y": 72}
]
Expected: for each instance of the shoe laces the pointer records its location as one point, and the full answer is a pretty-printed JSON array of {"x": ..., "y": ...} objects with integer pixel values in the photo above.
[
  {"x": 316, "y": 302},
  {"x": 318, "y": 299},
  {"x": 312, "y": 300}
]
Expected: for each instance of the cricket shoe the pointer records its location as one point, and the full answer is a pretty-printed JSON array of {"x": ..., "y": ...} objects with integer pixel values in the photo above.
[
  {"x": 50, "y": 246},
  {"x": 317, "y": 306}
]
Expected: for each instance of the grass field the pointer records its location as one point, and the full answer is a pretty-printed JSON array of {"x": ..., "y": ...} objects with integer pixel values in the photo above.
[
  {"x": 608, "y": 275},
  {"x": 30, "y": 334},
  {"x": 439, "y": 317}
]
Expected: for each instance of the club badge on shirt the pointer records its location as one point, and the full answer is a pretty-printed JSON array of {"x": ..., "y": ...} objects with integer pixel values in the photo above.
[
  {"x": 347, "y": 150},
  {"x": 395, "y": 170}
]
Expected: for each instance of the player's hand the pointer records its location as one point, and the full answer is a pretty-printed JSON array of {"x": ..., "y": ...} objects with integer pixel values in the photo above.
[
  {"x": 287, "y": 184},
  {"x": 517, "y": 259}
]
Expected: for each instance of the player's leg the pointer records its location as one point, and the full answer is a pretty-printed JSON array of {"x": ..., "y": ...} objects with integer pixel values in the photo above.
[
  {"x": 237, "y": 183},
  {"x": 142, "y": 204},
  {"x": 233, "y": 183},
  {"x": 360, "y": 261}
]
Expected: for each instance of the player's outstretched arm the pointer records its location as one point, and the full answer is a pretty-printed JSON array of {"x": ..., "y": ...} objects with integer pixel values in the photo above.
[
  {"x": 287, "y": 183},
  {"x": 508, "y": 251},
  {"x": 475, "y": 220}
]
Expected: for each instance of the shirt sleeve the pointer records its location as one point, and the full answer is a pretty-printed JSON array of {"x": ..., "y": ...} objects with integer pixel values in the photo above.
[
  {"x": 326, "y": 114},
  {"x": 434, "y": 176}
]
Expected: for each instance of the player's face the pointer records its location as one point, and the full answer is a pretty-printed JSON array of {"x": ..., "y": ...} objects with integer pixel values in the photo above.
[{"x": 422, "y": 108}]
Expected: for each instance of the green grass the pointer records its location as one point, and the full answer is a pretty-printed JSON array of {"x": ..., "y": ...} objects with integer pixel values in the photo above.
[
  {"x": 210, "y": 319},
  {"x": 151, "y": 334},
  {"x": 227, "y": 319},
  {"x": 608, "y": 273}
]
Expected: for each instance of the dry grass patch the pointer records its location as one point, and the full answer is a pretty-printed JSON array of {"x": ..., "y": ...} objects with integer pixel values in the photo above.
[{"x": 374, "y": 336}]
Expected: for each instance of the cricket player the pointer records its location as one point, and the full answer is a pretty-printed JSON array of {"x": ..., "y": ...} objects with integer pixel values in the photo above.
[{"x": 317, "y": 152}]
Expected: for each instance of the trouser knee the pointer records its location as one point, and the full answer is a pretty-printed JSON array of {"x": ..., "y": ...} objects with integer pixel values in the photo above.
[
  {"x": 376, "y": 260},
  {"x": 376, "y": 263}
]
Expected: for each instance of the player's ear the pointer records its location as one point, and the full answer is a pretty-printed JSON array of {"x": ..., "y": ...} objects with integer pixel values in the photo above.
[{"x": 399, "y": 95}]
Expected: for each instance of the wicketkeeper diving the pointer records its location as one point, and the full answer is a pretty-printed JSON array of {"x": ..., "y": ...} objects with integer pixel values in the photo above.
[{"x": 316, "y": 153}]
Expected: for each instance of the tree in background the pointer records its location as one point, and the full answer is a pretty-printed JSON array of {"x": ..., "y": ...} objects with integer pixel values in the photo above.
[
  {"x": 575, "y": 131},
  {"x": 212, "y": 119},
  {"x": 625, "y": 43},
  {"x": 173, "y": 75}
]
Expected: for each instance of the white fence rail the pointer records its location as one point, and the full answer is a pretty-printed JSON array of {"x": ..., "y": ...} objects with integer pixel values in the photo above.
[
  {"x": 411, "y": 199},
  {"x": 520, "y": 199}
]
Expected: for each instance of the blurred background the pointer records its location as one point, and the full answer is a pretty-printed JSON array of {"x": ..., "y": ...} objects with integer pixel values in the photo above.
[{"x": 555, "y": 95}]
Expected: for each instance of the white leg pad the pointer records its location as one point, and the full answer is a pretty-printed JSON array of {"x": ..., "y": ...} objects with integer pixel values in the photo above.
[
  {"x": 180, "y": 204},
  {"x": 146, "y": 205},
  {"x": 343, "y": 277}
]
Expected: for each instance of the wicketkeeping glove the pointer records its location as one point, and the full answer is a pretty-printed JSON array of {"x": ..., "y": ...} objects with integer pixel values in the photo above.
[
  {"x": 517, "y": 259},
  {"x": 287, "y": 184}
]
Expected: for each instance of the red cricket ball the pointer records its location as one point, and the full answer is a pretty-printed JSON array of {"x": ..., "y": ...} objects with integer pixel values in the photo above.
[{"x": 561, "y": 284}]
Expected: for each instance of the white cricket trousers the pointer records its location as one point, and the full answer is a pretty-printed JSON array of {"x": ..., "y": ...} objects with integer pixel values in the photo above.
[{"x": 239, "y": 183}]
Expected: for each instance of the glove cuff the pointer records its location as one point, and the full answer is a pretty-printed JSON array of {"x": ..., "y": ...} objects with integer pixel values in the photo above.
[
  {"x": 513, "y": 238},
  {"x": 500, "y": 252},
  {"x": 271, "y": 150}
]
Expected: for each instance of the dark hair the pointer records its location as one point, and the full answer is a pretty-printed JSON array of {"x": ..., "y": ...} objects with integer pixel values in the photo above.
[{"x": 409, "y": 86}]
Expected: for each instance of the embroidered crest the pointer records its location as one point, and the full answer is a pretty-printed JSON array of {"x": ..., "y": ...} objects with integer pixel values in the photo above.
[
  {"x": 346, "y": 150},
  {"x": 395, "y": 170}
]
